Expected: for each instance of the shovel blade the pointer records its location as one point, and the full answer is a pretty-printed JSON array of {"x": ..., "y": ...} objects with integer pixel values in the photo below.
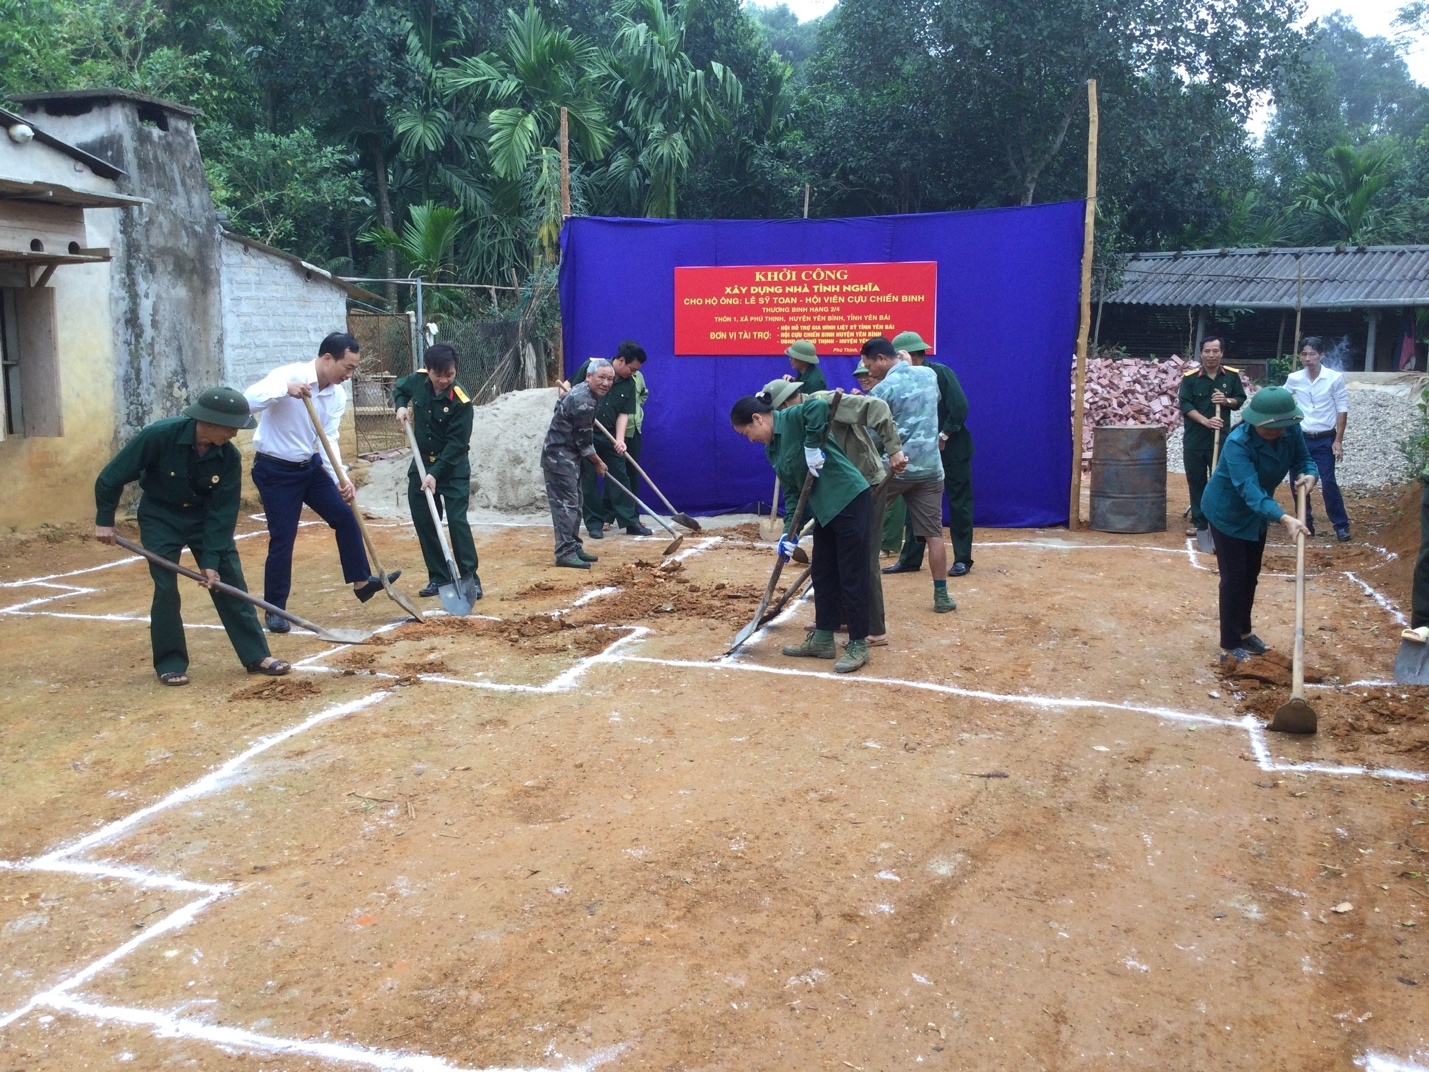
[
  {"x": 1411, "y": 665},
  {"x": 686, "y": 520},
  {"x": 674, "y": 546},
  {"x": 401, "y": 600},
  {"x": 344, "y": 636},
  {"x": 1204, "y": 543},
  {"x": 453, "y": 601},
  {"x": 744, "y": 634},
  {"x": 800, "y": 556},
  {"x": 1294, "y": 716}
]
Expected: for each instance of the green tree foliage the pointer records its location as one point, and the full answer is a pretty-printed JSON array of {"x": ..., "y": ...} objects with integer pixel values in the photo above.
[{"x": 394, "y": 136}]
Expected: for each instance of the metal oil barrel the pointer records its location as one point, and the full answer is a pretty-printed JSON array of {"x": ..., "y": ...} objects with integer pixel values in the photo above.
[{"x": 1129, "y": 478}]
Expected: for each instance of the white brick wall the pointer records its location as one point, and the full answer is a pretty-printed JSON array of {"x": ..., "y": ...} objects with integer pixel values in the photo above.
[{"x": 272, "y": 314}]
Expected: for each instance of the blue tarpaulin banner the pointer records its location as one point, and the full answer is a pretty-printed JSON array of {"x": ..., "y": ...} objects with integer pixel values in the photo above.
[{"x": 1008, "y": 282}]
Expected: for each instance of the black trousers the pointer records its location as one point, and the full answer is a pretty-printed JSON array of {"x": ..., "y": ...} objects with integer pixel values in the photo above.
[
  {"x": 1239, "y": 562},
  {"x": 1420, "y": 604},
  {"x": 839, "y": 569}
]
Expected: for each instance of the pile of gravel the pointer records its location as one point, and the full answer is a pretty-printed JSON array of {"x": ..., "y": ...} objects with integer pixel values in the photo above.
[{"x": 1381, "y": 417}]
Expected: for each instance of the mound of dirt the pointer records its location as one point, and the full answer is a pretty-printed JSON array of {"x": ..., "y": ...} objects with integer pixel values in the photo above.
[
  {"x": 283, "y": 690},
  {"x": 650, "y": 591},
  {"x": 1272, "y": 668},
  {"x": 506, "y": 438},
  {"x": 1396, "y": 718}
]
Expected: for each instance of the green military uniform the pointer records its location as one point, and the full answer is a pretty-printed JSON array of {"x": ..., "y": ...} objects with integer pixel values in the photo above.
[
  {"x": 1198, "y": 441},
  {"x": 956, "y": 454},
  {"x": 188, "y": 500},
  {"x": 813, "y": 380},
  {"x": 838, "y": 482},
  {"x": 608, "y": 503},
  {"x": 442, "y": 424}
]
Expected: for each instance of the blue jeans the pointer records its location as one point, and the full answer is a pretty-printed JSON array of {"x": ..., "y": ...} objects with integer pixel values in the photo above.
[
  {"x": 284, "y": 492},
  {"x": 1323, "y": 455}
]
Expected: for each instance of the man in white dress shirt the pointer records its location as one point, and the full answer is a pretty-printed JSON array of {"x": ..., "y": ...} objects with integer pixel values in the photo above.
[
  {"x": 1320, "y": 393},
  {"x": 291, "y": 469}
]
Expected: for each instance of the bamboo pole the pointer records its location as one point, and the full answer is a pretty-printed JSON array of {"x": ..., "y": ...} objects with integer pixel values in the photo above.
[
  {"x": 1074, "y": 512},
  {"x": 1299, "y": 303},
  {"x": 806, "y": 200},
  {"x": 565, "y": 168}
]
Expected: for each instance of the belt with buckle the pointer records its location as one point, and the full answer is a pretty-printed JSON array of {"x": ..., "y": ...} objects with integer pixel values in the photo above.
[
  {"x": 283, "y": 463},
  {"x": 1319, "y": 435}
]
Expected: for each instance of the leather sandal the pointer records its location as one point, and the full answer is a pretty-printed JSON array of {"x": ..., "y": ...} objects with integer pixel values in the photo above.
[
  {"x": 174, "y": 677},
  {"x": 276, "y": 668}
]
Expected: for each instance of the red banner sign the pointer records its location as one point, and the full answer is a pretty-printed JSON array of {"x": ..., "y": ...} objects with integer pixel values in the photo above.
[{"x": 762, "y": 308}]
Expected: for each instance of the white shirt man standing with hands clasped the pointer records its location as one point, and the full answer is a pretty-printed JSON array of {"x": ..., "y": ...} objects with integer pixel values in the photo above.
[{"x": 1320, "y": 393}]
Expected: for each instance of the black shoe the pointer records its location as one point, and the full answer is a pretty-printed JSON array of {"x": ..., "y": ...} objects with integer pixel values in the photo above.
[
  {"x": 899, "y": 567},
  {"x": 477, "y": 593},
  {"x": 1253, "y": 644},
  {"x": 1233, "y": 656},
  {"x": 276, "y": 624},
  {"x": 573, "y": 563},
  {"x": 1343, "y": 534},
  {"x": 373, "y": 586},
  {"x": 586, "y": 556},
  {"x": 433, "y": 588},
  {"x": 638, "y": 530},
  {"x": 595, "y": 532},
  {"x": 960, "y": 569}
]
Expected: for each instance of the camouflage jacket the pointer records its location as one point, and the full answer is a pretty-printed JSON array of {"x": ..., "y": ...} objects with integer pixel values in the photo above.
[{"x": 572, "y": 426}]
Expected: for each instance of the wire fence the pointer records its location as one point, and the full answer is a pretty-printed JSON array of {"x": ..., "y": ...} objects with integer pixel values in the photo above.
[{"x": 506, "y": 338}]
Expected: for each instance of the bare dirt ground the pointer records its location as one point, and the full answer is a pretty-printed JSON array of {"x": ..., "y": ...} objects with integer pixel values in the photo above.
[{"x": 1040, "y": 833}]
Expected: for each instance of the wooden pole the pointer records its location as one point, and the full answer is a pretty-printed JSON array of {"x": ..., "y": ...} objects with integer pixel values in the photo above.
[
  {"x": 806, "y": 200},
  {"x": 565, "y": 168},
  {"x": 1074, "y": 513},
  {"x": 1299, "y": 302}
]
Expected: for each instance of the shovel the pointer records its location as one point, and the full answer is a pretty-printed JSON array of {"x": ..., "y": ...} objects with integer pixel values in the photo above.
[
  {"x": 675, "y": 515},
  {"x": 794, "y": 523},
  {"x": 1204, "y": 543},
  {"x": 332, "y": 636},
  {"x": 1295, "y": 715},
  {"x": 789, "y": 593},
  {"x": 397, "y": 597},
  {"x": 658, "y": 519},
  {"x": 769, "y": 527},
  {"x": 1411, "y": 665},
  {"x": 459, "y": 593}
]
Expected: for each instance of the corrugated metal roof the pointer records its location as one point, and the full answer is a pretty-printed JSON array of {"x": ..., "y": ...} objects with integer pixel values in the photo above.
[{"x": 1333, "y": 277}]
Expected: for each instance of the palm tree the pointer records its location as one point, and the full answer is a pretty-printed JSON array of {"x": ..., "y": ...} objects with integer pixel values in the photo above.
[
  {"x": 666, "y": 110},
  {"x": 1346, "y": 204}
]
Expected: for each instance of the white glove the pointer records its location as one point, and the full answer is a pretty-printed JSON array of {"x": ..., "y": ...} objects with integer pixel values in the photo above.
[
  {"x": 786, "y": 547},
  {"x": 814, "y": 459}
]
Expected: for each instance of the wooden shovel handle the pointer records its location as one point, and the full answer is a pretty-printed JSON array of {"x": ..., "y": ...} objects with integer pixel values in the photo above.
[
  {"x": 1297, "y": 667},
  {"x": 341, "y": 478}
]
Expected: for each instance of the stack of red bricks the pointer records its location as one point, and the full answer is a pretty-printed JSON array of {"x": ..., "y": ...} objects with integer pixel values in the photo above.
[{"x": 1132, "y": 391}]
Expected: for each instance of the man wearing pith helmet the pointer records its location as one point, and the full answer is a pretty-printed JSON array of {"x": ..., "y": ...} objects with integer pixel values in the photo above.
[
  {"x": 805, "y": 361},
  {"x": 191, "y": 477},
  {"x": 955, "y": 446}
]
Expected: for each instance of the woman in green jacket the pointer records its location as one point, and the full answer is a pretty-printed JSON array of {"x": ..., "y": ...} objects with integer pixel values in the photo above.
[{"x": 794, "y": 442}]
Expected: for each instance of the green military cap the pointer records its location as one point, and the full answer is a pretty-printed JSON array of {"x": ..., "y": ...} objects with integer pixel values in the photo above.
[
  {"x": 223, "y": 406},
  {"x": 910, "y": 341},
  {"x": 862, "y": 370},
  {"x": 803, "y": 351},
  {"x": 777, "y": 392},
  {"x": 1272, "y": 407}
]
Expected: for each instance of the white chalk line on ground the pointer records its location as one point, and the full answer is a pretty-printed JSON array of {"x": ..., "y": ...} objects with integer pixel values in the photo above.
[{"x": 1374, "y": 1062}]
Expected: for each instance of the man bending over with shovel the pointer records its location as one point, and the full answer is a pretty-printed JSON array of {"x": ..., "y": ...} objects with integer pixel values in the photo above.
[
  {"x": 290, "y": 473},
  {"x": 441, "y": 415},
  {"x": 192, "y": 479},
  {"x": 570, "y": 439}
]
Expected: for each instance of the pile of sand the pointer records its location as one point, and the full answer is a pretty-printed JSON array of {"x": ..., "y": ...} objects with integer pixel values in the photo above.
[{"x": 506, "y": 438}]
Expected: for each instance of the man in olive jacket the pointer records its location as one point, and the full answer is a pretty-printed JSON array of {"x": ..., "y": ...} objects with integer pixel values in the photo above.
[{"x": 191, "y": 476}]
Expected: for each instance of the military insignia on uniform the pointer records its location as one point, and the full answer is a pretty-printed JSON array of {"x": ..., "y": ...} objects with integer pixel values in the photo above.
[
  {"x": 446, "y": 409},
  {"x": 1191, "y": 371},
  {"x": 460, "y": 394},
  {"x": 214, "y": 479},
  {"x": 1231, "y": 368}
]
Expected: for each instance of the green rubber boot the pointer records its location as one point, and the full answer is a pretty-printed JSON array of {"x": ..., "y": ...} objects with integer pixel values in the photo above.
[
  {"x": 855, "y": 655},
  {"x": 817, "y": 645},
  {"x": 586, "y": 556},
  {"x": 942, "y": 602}
]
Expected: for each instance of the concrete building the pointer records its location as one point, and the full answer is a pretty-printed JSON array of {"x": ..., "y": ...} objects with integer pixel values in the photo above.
[{"x": 124, "y": 296}]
